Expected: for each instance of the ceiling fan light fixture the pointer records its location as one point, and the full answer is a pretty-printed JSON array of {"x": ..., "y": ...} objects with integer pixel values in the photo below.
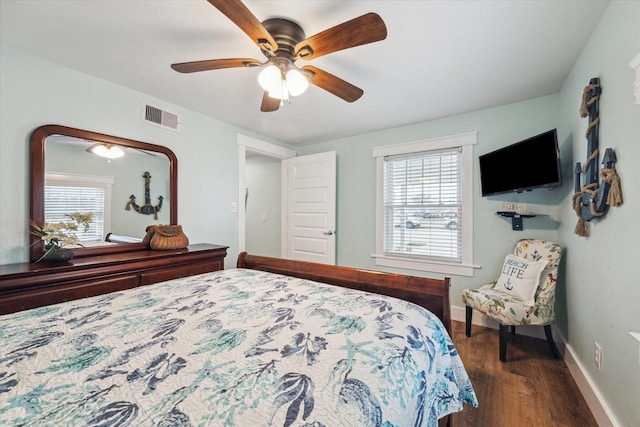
[
  {"x": 283, "y": 42},
  {"x": 282, "y": 92},
  {"x": 297, "y": 83},
  {"x": 281, "y": 85},
  {"x": 107, "y": 151}
]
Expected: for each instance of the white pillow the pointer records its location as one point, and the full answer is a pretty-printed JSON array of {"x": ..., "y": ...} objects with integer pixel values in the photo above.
[{"x": 520, "y": 277}]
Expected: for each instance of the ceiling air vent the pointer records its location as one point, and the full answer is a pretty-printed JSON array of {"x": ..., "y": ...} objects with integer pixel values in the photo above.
[{"x": 160, "y": 118}]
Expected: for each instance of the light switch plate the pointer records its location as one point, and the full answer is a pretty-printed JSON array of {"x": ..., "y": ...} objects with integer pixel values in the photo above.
[
  {"x": 597, "y": 356},
  {"x": 636, "y": 335}
]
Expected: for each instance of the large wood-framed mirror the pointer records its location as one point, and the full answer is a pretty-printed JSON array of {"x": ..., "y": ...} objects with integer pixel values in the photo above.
[{"x": 61, "y": 154}]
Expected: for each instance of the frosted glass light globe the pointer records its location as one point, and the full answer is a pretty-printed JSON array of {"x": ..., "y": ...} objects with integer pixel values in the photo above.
[
  {"x": 297, "y": 83},
  {"x": 270, "y": 78}
]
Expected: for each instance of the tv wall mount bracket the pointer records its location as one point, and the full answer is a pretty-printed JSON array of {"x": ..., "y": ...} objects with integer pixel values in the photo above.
[{"x": 516, "y": 219}]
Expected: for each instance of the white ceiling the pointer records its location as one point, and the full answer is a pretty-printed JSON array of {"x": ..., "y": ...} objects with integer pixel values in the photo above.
[{"x": 440, "y": 57}]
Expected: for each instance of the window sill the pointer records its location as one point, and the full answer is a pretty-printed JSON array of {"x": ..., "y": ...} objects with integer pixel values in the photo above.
[{"x": 430, "y": 266}]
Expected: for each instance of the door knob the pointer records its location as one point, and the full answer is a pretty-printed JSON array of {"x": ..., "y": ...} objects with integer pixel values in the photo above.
[{"x": 328, "y": 233}]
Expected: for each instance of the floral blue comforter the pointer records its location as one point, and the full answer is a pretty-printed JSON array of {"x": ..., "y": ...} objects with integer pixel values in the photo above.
[{"x": 230, "y": 348}]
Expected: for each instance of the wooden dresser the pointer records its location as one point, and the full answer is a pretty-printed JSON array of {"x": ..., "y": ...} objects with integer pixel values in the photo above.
[{"x": 29, "y": 285}]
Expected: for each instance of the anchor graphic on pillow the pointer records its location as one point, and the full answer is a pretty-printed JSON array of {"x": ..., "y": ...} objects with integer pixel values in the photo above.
[
  {"x": 508, "y": 284},
  {"x": 147, "y": 208}
]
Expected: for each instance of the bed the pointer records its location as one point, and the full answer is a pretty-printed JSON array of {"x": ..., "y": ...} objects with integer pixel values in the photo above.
[{"x": 271, "y": 343}]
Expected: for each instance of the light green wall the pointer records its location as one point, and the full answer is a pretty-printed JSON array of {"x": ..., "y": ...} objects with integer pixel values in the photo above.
[
  {"x": 263, "y": 182},
  {"x": 602, "y": 270},
  {"x": 493, "y": 236},
  {"x": 598, "y": 291},
  {"x": 37, "y": 92}
]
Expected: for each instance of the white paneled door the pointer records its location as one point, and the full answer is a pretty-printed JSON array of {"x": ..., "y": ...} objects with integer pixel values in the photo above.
[{"x": 311, "y": 208}]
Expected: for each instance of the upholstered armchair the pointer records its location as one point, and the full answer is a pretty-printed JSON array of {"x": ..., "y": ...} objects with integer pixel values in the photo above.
[{"x": 524, "y": 294}]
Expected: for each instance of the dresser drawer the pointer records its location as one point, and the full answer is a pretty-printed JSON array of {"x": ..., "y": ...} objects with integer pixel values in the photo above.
[
  {"x": 32, "y": 298},
  {"x": 149, "y": 277},
  {"x": 29, "y": 285}
]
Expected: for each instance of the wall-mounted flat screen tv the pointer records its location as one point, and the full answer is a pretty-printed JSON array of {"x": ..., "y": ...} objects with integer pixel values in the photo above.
[{"x": 523, "y": 166}]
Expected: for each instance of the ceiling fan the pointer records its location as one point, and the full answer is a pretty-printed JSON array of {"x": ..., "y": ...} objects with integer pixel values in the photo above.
[{"x": 283, "y": 42}]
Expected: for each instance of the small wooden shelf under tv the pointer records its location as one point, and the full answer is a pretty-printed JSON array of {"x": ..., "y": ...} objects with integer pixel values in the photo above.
[{"x": 516, "y": 219}]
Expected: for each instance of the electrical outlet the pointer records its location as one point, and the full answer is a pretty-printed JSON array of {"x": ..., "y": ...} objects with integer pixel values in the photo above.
[{"x": 597, "y": 356}]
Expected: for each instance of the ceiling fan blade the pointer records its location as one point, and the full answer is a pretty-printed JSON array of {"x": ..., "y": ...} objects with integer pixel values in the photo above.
[
  {"x": 240, "y": 15},
  {"x": 269, "y": 103},
  {"x": 365, "y": 29},
  {"x": 332, "y": 84},
  {"x": 214, "y": 64}
]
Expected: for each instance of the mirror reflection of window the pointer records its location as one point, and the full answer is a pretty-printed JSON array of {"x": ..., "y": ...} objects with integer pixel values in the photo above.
[{"x": 68, "y": 193}]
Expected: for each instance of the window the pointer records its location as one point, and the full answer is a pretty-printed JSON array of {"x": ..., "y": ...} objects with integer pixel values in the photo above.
[
  {"x": 68, "y": 193},
  {"x": 424, "y": 205}
]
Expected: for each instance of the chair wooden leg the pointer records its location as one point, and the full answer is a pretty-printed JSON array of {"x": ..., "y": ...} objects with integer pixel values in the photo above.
[
  {"x": 552, "y": 345},
  {"x": 468, "y": 321},
  {"x": 504, "y": 339}
]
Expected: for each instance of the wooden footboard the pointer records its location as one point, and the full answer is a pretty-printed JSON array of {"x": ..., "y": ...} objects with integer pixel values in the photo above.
[{"x": 432, "y": 294}]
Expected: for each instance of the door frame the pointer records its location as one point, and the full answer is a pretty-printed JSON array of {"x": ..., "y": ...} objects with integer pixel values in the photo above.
[{"x": 250, "y": 144}]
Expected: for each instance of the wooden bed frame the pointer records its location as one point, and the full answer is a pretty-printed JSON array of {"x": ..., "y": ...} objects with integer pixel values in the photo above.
[
  {"x": 24, "y": 286},
  {"x": 432, "y": 294},
  {"x": 109, "y": 273}
]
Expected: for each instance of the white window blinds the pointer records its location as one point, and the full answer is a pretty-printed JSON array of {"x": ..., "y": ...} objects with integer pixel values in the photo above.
[
  {"x": 67, "y": 193},
  {"x": 423, "y": 205},
  {"x": 60, "y": 200}
]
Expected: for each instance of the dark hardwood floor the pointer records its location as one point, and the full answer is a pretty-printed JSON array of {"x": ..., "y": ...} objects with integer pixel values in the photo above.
[{"x": 530, "y": 389}]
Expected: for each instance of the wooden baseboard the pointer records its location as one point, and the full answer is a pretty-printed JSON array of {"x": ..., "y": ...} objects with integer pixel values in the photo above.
[{"x": 596, "y": 402}]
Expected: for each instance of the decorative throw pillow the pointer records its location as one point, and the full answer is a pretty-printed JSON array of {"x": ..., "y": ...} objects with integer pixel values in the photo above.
[{"x": 520, "y": 277}]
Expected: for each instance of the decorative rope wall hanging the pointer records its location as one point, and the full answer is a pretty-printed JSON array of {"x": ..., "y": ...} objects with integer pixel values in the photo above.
[{"x": 592, "y": 199}]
